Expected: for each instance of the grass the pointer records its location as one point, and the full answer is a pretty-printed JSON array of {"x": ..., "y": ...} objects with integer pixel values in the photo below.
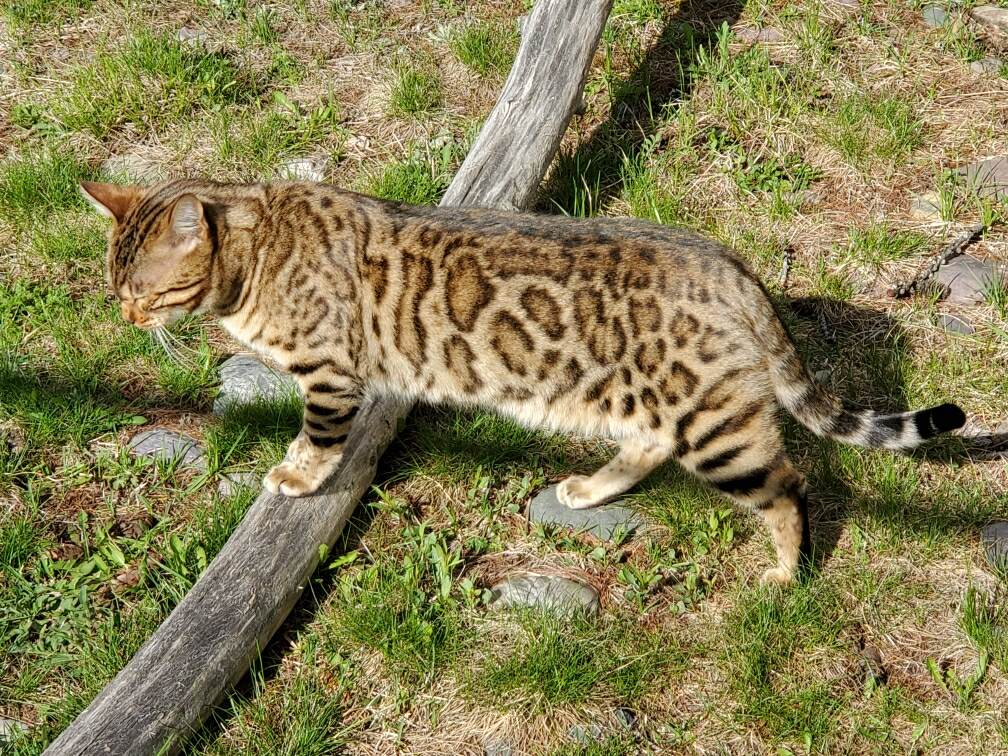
[
  {"x": 149, "y": 81},
  {"x": 486, "y": 49},
  {"x": 810, "y": 147},
  {"x": 868, "y": 129},
  {"x": 416, "y": 91}
]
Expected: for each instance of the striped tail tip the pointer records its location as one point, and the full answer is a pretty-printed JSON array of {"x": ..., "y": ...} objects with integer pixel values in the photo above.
[{"x": 940, "y": 419}]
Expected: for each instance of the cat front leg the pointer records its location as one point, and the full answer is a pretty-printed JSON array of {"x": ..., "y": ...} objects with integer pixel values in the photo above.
[{"x": 316, "y": 452}]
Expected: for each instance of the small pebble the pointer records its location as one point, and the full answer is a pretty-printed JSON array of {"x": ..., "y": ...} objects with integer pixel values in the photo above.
[
  {"x": 926, "y": 206},
  {"x": 954, "y": 324},
  {"x": 986, "y": 66},
  {"x": 752, "y": 34},
  {"x": 192, "y": 36},
  {"x": 304, "y": 169},
  {"x": 935, "y": 16}
]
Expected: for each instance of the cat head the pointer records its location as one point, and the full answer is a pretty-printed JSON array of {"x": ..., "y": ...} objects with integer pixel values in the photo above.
[{"x": 160, "y": 249}]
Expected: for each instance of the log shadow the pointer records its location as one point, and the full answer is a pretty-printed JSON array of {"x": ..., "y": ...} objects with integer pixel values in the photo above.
[{"x": 663, "y": 76}]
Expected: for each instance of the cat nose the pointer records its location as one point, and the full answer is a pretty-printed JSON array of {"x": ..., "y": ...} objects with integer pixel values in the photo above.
[{"x": 133, "y": 314}]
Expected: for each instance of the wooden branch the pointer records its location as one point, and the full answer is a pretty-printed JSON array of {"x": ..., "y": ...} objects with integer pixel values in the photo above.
[{"x": 207, "y": 643}]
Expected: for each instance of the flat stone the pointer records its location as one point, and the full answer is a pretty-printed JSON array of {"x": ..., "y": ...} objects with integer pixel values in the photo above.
[
  {"x": 550, "y": 592},
  {"x": 246, "y": 380},
  {"x": 750, "y": 33},
  {"x": 987, "y": 177},
  {"x": 955, "y": 324},
  {"x": 602, "y": 521},
  {"x": 313, "y": 168},
  {"x": 994, "y": 537},
  {"x": 993, "y": 18},
  {"x": 986, "y": 66},
  {"x": 926, "y": 206},
  {"x": 168, "y": 446},
  {"x": 935, "y": 16},
  {"x": 192, "y": 36},
  {"x": 231, "y": 483},
  {"x": 969, "y": 278},
  {"x": 10, "y": 729}
]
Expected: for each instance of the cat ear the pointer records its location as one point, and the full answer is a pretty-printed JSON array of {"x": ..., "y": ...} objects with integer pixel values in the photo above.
[
  {"x": 111, "y": 200},
  {"x": 187, "y": 217}
]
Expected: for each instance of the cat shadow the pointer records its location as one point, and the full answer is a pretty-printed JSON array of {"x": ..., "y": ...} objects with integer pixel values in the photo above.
[
  {"x": 664, "y": 75},
  {"x": 862, "y": 354}
]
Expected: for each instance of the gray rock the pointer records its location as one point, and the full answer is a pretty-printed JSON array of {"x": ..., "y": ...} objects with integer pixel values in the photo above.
[
  {"x": 752, "y": 34},
  {"x": 986, "y": 66},
  {"x": 626, "y": 717},
  {"x": 994, "y": 537},
  {"x": 246, "y": 380},
  {"x": 955, "y": 324},
  {"x": 168, "y": 446},
  {"x": 313, "y": 168},
  {"x": 969, "y": 279},
  {"x": 602, "y": 521},
  {"x": 497, "y": 748},
  {"x": 987, "y": 177},
  {"x": 10, "y": 729},
  {"x": 585, "y": 734},
  {"x": 993, "y": 18},
  {"x": 935, "y": 16},
  {"x": 192, "y": 36},
  {"x": 231, "y": 483},
  {"x": 550, "y": 592},
  {"x": 926, "y": 206}
]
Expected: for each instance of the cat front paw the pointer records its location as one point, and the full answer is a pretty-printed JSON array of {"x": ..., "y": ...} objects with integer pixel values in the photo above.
[
  {"x": 287, "y": 480},
  {"x": 574, "y": 493},
  {"x": 777, "y": 576}
]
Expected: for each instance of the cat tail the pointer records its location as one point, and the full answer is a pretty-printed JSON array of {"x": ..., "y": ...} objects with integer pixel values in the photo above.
[{"x": 827, "y": 415}]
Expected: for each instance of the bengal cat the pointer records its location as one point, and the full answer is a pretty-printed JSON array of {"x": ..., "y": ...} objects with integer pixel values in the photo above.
[{"x": 655, "y": 338}]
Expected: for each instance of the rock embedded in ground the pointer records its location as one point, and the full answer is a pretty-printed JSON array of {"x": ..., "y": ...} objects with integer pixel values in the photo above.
[
  {"x": 926, "y": 206},
  {"x": 231, "y": 483},
  {"x": 10, "y": 729},
  {"x": 994, "y": 537},
  {"x": 935, "y": 16},
  {"x": 313, "y": 168},
  {"x": 987, "y": 177},
  {"x": 752, "y": 34},
  {"x": 986, "y": 66},
  {"x": 969, "y": 278},
  {"x": 603, "y": 521},
  {"x": 551, "y": 592},
  {"x": 992, "y": 18},
  {"x": 497, "y": 748},
  {"x": 955, "y": 324},
  {"x": 585, "y": 734},
  {"x": 166, "y": 445},
  {"x": 192, "y": 36},
  {"x": 247, "y": 380}
]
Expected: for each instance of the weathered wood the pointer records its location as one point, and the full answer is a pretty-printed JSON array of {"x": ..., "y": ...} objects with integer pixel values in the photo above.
[{"x": 207, "y": 643}]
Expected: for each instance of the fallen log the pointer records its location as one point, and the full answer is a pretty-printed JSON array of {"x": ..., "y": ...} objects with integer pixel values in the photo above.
[{"x": 207, "y": 643}]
